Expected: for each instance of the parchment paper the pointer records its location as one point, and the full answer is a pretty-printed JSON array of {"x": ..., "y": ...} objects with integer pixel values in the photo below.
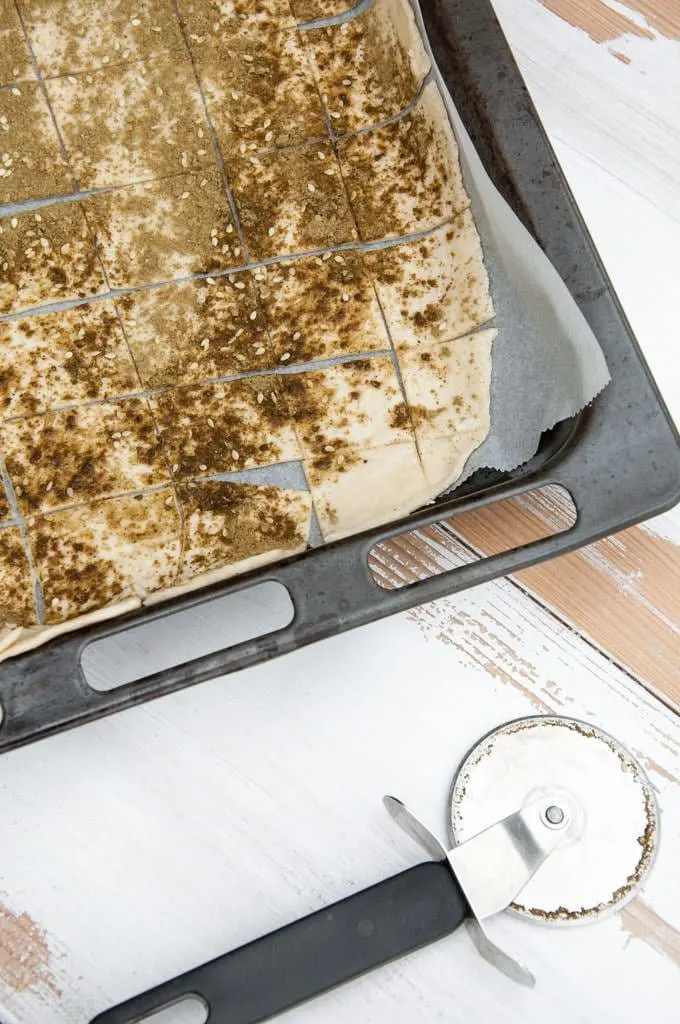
[{"x": 547, "y": 363}]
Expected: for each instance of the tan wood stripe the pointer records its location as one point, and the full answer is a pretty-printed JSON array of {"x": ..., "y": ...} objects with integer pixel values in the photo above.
[
  {"x": 621, "y": 593},
  {"x": 603, "y": 22}
]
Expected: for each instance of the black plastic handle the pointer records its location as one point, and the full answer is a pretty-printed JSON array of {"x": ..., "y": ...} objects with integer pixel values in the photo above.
[{"x": 316, "y": 953}]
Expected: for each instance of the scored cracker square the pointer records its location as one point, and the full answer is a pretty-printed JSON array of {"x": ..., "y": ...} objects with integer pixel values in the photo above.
[
  {"x": 165, "y": 229},
  {"x": 91, "y": 556},
  {"x": 448, "y": 386},
  {"x": 82, "y": 454},
  {"x": 32, "y": 165},
  {"x": 15, "y": 62},
  {"x": 133, "y": 122},
  {"x": 185, "y": 333},
  {"x": 64, "y": 357},
  {"x": 225, "y": 522},
  {"x": 291, "y": 201},
  {"x": 318, "y": 307},
  {"x": 17, "y": 600},
  {"x": 434, "y": 288},
  {"x": 355, "y": 489},
  {"x": 46, "y": 256},
  {"x": 222, "y": 428},
  {"x": 356, "y": 404},
  {"x": 82, "y": 35},
  {"x": 405, "y": 176},
  {"x": 370, "y": 68},
  {"x": 259, "y": 89}
]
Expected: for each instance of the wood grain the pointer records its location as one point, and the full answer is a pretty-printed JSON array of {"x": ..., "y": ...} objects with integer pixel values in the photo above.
[
  {"x": 595, "y": 17},
  {"x": 603, "y": 22},
  {"x": 621, "y": 592}
]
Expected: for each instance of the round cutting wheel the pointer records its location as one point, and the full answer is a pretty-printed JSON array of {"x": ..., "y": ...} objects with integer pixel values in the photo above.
[{"x": 609, "y": 851}]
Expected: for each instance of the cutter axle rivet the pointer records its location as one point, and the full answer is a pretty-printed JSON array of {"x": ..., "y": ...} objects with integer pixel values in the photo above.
[{"x": 554, "y": 815}]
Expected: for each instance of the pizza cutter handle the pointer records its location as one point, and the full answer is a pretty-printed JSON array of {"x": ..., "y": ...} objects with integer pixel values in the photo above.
[{"x": 304, "y": 959}]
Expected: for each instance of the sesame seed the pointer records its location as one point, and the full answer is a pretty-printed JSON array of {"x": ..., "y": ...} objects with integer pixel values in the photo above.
[
  {"x": 49, "y": 486},
  {"x": 14, "y": 222},
  {"x": 205, "y": 344},
  {"x": 285, "y": 357},
  {"x": 235, "y": 95},
  {"x": 334, "y": 114},
  {"x": 240, "y": 285},
  {"x": 214, "y": 241},
  {"x": 328, "y": 448},
  {"x": 268, "y": 136},
  {"x": 347, "y": 81},
  {"x": 311, "y": 186},
  {"x": 211, "y": 422},
  {"x": 260, "y": 398},
  {"x": 249, "y": 462},
  {"x": 296, "y": 336},
  {"x": 329, "y": 171},
  {"x": 235, "y": 455},
  {"x": 270, "y": 231},
  {"x": 210, "y": 280},
  {"x": 338, "y": 259},
  {"x": 185, "y": 195},
  {"x": 69, "y": 491},
  {"x": 253, "y": 315},
  {"x": 267, "y": 121},
  {"x": 202, "y": 467},
  {"x": 38, "y": 218},
  {"x": 16, "y": 92},
  {"x": 345, "y": 297},
  {"x": 321, "y": 155},
  {"x": 442, "y": 326},
  {"x": 260, "y": 350},
  {"x": 229, "y": 228}
]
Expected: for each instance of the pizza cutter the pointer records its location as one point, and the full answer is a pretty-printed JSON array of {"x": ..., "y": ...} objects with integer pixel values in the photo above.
[{"x": 549, "y": 818}]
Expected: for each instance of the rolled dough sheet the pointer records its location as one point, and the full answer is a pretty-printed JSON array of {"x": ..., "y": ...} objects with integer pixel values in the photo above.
[{"x": 126, "y": 412}]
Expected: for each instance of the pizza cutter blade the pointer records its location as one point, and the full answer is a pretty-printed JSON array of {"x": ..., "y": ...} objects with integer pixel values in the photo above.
[{"x": 549, "y": 818}]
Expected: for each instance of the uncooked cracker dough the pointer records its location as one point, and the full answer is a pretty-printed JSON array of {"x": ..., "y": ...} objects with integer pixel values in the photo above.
[{"x": 119, "y": 416}]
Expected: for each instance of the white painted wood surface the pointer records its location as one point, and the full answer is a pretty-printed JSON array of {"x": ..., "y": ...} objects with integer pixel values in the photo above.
[{"x": 138, "y": 847}]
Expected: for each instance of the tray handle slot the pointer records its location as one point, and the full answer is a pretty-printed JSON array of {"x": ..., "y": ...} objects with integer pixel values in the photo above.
[
  {"x": 507, "y": 524},
  {"x": 46, "y": 691}
]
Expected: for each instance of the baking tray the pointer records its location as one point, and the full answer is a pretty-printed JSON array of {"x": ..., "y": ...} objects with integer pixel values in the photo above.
[{"x": 619, "y": 459}]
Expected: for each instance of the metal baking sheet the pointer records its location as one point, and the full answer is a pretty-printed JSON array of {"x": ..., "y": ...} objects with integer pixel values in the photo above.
[{"x": 619, "y": 459}]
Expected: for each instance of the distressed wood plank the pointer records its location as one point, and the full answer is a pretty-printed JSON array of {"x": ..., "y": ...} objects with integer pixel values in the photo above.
[{"x": 621, "y": 592}]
